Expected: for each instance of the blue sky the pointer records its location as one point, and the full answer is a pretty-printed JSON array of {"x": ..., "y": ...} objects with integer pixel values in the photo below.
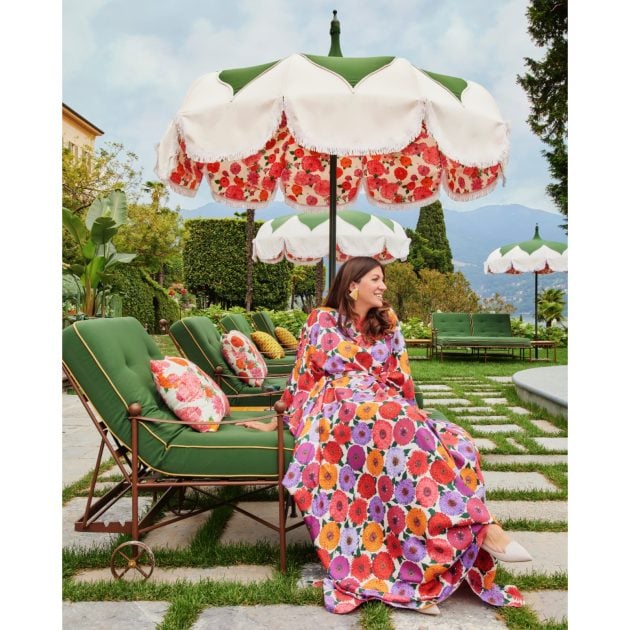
[{"x": 128, "y": 64}]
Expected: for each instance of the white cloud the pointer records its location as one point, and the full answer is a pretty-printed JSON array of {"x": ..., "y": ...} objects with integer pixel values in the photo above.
[{"x": 79, "y": 41}]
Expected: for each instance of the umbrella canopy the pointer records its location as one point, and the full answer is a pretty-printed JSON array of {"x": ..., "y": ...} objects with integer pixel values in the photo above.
[
  {"x": 318, "y": 129},
  {"x": 303, "y": 238},
  {"x": 536, "y": 256}
]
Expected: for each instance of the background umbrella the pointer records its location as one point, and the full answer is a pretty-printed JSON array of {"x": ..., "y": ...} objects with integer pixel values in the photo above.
[
  {"x": 535, "y": 256},
  {"x": 320, "y": 128},
  {"x": 303, "y": 238}
]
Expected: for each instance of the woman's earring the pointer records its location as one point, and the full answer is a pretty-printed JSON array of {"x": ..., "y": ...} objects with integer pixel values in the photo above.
[{"x": 354, "y": 294}]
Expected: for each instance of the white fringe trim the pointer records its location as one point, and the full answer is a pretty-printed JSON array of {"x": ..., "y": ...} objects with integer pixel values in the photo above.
[
  {"x": 398, "y": 206},
  {"x": 238, "y": 203},
  {"x": 308, "y": 142},
  {"x": 475, "y": 194},
  {"x": 181, "y": 190}
]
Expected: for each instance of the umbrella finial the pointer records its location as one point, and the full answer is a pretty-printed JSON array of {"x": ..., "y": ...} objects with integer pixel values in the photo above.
[
  {"x": 335, "y": 32},
  {"x": 536, "y": 234}
]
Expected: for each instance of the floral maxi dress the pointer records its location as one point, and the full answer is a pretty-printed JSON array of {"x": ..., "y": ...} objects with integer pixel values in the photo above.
[{"x": 393, "y": 499}]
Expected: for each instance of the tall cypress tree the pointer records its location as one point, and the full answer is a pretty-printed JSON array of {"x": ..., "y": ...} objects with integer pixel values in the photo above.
[{"x": 433, "y": 248}]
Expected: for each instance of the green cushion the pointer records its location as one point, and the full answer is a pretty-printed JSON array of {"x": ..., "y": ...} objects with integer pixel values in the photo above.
[
  {"x": 200, "y": 341},
  {"x": 451, "y": 324},
  {"x": 263, "y": 322},
  {"x": 491, "y": 325},
  {"x": 483, "y": 341},
  {"x": 109, "y": 359}
]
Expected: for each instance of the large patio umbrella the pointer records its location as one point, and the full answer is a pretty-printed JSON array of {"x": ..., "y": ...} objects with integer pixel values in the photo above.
[
  {"x": 536, "y": 256},
  {"x": 303, "y": 238},
  {"x": 320, "y": 128}
]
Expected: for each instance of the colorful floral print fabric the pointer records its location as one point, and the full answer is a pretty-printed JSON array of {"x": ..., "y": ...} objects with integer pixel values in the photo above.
[
  {"x": 190, "y": 393},
  {"x": 393, "y": 499},
  {"x": 409, "y": 177},
  {"x": 243, "y": 357}
]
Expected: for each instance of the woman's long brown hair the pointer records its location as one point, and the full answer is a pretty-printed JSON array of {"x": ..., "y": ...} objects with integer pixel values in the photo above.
[{"x": 378, "y": 321}]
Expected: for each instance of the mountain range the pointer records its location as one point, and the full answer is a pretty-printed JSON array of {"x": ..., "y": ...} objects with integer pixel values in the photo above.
[{"x": 472, "y": 236}]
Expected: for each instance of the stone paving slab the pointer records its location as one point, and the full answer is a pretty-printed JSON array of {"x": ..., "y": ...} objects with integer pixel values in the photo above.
[
  {"x": 108, "y": 615},
  {"x": 488, "y": 392},
  {"x": 461, "y": 611},
  {"x": 277, "y": 617},
  {"x": 426, "y": 387},
  {"x": 485, "y": 444},
  {"x": 73, "y": 510},
  {"x": 497, "y": 428},
  {"x": 500, "y": 379},
  {"x": 495, "y": 401},
  {"x": 496, "y": 480},
  {"x": 556, "y": 511},
  {"x": 177, "y": 535},
  {"x": 515, "y": 444},
  {"x": 241, "y": 528},
  {"x": 549, "y": 606},
  {"x": 242, "y": 573},
  {"x": 520, "y": 411},
  {"x": 470, "y": 409},
  {"x": 447, "y": 402},
  {"x": 80, "y": 440},
  {"x": 483, "y": 417},
  {"x": 523, "y": 459},
  {"x": 549, "y": 550},
  {"x": 553, "y": 444},
  {"x": 546, "y": 426}
]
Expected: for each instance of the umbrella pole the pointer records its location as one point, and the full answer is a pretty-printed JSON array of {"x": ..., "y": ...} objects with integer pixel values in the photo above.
[
  {"x": 332, "y": 220},
  {"x": 536, "y": 311}
]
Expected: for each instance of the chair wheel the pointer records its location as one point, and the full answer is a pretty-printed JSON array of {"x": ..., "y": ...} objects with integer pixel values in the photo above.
[{"x": 132, "y": 555}]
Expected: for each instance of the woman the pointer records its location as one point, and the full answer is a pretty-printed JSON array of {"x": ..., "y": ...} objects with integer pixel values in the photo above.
[{"x": 393, "y": 500}]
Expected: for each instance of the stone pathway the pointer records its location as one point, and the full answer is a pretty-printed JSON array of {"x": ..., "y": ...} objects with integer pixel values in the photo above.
[{"x": 489, "y": 425}]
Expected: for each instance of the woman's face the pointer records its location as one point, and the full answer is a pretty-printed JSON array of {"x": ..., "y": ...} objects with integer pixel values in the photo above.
[{"x": 371, "y": 288}]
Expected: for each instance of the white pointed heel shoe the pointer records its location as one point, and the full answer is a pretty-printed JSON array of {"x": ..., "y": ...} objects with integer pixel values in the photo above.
[
  {"x": 514, "y": 552},
  {"x": 431, "y": 610}
]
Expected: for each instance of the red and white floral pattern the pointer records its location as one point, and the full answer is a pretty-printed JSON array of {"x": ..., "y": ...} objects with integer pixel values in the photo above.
[
  {"x": 244, "y": 358},
  {"x": 190, "y": 393},
  {"x": 410, "y": 177}
]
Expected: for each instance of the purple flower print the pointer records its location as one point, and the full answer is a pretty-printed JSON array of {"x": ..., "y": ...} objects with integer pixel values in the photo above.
[
  {"x": 379, "y": 351},
  {"x": 348, "y": 540},
  {"x": 462, "y": 488},
  {"x": 361, "y": 433},
  {"x": 347, "y": 478},
  {"x": 467, "y": 449},
  {"x": 405, "y": 492},
  {"x": 292, "y": 476},
  {"x": 451, "y": 503},
  {"x": 493, "y": 596},
  {"x": 469, "y": 556},
  {"x": 376, "y": 510},
  {"x": 411, "y": 572},
  {"x": 402, "y": 589},
  {"x": 425, "y": 440},
  {"x": 395, "y": 461},
  {"x": 362, "y": 396},
  {"x": 320, "y": 504},
  {"x": 356, "y": 457},
  {"x": 339, "y": 568},
  {"x": 334, "y": 365},
  {"x": 397, "y": 341},
  {"x": 312, "y": 524},
  {"x": 304, "y": 452},
  {"x": 330, "y": 408},
  {"x": 413, "y": 549},
  {"x": 314, "y": 334}
]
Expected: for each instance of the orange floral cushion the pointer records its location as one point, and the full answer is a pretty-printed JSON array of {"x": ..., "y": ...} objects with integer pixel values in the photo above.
[
  {"x": 244, "y": 358},
  {"x": 190, "y": 393}
]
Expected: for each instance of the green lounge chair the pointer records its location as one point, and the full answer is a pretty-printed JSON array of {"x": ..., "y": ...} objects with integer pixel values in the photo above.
[
  {"x": 263, "y": 322},
  {"x": 107, "y": 363},
  {"x": 237, "y": 321},
  {"x": 198, "y": 339}
]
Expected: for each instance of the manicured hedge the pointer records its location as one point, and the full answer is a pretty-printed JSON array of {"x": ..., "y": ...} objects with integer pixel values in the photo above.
[
  {"x": 143, "y": 298},
  {"x": 215, "y": 264}
]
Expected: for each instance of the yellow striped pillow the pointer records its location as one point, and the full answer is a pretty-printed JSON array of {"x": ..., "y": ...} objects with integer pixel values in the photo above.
[
  {"x": 267, "y": 345},
  {"x": 286, "y": 338}
]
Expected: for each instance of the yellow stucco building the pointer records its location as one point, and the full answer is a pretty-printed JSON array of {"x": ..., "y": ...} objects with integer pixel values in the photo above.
[{"x": 77, "y": 131}]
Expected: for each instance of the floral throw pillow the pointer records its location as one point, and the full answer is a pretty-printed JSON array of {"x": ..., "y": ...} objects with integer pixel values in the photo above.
[
  {"x": 286, "y": 338},
  {"x": 190, "y": 393},
  {"x": 243, "y": 357},
  {"x": 267, "y": 345}
]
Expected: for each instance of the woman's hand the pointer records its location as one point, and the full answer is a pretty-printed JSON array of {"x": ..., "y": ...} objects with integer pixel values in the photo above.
[{"x": 259, "y": 426}]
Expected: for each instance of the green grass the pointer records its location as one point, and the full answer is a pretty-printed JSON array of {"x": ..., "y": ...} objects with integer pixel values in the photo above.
[{"x": 188, "y": 600}]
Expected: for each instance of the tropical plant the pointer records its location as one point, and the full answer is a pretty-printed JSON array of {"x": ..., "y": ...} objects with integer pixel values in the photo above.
[
  {"x": 93, "y": 237},
  {"x": 551, "y": 305}
]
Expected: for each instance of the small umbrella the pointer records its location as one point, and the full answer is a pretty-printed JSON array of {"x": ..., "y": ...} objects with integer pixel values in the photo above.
[
  {"x": 319, "y": 128},
  {"x": 303, "y": 238},
  {"x": 535, "y": 256}
]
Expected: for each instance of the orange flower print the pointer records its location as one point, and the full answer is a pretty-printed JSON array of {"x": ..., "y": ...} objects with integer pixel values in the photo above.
[
  {"x": 327, "y": 476},
  {"x": 416, "y": 521},
  {"x": 376, "y": 585},
  {"x": 329, "y": 536},
  {"x": 372, "y": 537},
  {"x": 367, "y": 410},
  {"x": 375, "y": 463}
]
